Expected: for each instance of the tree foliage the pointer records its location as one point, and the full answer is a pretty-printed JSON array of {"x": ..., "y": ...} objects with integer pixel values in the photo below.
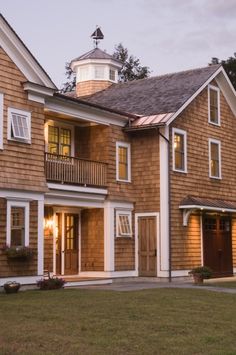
[
  {"x": 230, "y": 67},
  {"x": 131, "y": 69}
]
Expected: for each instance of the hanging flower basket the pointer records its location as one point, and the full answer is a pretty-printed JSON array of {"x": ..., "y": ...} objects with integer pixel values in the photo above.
[{"x": 19, "y": 253}]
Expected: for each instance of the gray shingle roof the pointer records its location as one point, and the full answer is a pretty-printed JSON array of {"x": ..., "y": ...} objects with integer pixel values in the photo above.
[
  {"x": 95, "y": 53},
  {"x": 156, "y": 95},
  {"x": 207, "y": 202}
]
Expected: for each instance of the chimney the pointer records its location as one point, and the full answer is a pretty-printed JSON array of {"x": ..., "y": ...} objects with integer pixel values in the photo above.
[{"x": 95, "y": 71}]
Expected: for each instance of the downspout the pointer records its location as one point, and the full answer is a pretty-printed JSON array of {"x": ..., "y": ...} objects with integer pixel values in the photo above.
[{"x": 169, "y": 205}]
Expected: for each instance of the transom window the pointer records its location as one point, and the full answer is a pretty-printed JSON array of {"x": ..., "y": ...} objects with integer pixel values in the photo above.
[
  {"x": 123, "y": 224},
  {"x": 214, "y": 159},
  {"x": 59, "y": 140},
  {"x": 123, "y": 161},
  {"x": 214, "y": 105},
  {"x": 179, "y": 150},
  {"x": 19, "y": 125}
]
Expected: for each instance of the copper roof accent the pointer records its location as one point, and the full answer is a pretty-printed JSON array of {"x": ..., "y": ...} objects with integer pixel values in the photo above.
[
  {"x": 207, "y": 203},
  {"x": 147, "y": 121}
]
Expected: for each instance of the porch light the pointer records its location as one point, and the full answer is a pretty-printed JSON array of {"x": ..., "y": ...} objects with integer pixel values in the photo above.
[
  {"x": 201, "y": 208},
  {"x": 223, "y": 210},
  {"x": 48, "y": 217}
]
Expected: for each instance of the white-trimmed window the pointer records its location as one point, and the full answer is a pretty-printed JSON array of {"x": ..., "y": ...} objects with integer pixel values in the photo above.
[
  {"x": 179, "y": 144},
  {"x": 214, "y": 105},
  {"x": 19, "y": 125},
  {"x": 99, "y": 72},
  {"x": 59, "y": 138},
  {"x": 112, "y": 74},
  {"x": 1, "y": 121},
  {"x": 214, "y": 159},
  {"x": 123, "y": 223},
  {"x": 17, "y": 223},
  {"x": 123, "y": 162}
]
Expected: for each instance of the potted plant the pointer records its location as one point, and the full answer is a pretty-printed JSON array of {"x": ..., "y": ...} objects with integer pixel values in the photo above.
[
  {"x": 200, "y": 273},
  {"x": 51, "y": 283},
  {"x": 18, "y": 252},
  {"x": 11, "y": 287}
]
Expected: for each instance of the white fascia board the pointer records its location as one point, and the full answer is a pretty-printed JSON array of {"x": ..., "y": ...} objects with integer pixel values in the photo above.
[
  {"x": 37, "y": 92},
  {"x": 77, "y": 63},
  {"x": 21, "y": 56},
  {"x": 227, "y": 89},
  {"x": 72, "y": 188},
  {"x": 206, "y": 208},
  {"x": 21, "y": 195},
  {"x": 88, "y": 114},
  {"x": 177, "y": 113}
]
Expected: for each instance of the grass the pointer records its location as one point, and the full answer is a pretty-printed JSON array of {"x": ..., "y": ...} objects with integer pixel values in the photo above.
[{"x": 89, "y": 322}]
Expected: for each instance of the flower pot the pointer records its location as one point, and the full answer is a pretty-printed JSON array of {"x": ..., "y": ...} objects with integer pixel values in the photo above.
[
  {"x": 198, "y": 279},
  {"x": 11, "y": 287}
]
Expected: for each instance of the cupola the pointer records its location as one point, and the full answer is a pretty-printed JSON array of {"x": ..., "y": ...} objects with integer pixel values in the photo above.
[{"x": 95, "y": 70}]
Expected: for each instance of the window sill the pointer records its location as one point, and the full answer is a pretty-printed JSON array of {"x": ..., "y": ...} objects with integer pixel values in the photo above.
[
  {"x": 19, "y": 141},
  {"x": 180, "y": 171},
  {"x": 214, "y": 124}
]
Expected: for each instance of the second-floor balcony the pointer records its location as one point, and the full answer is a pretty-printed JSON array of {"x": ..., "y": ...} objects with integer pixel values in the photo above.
[{"x": 71, "y": 170}]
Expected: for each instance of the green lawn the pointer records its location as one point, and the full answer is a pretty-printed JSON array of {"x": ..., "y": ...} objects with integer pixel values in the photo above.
[
  {"x": 157, "y": 321},
  {"x": 226, "y": 284}
]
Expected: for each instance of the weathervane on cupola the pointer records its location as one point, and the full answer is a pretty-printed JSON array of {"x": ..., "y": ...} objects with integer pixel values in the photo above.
[{"x": 97, "y": 35}]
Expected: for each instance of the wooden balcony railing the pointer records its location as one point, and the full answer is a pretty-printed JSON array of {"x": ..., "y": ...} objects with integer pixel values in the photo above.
[{"x": 64, "y": 169}]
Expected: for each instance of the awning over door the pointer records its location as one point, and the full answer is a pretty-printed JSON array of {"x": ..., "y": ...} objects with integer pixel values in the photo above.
[{"x": 190, "y": 204}]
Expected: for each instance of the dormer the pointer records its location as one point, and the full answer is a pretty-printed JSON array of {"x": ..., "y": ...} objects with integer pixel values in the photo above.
[{"x": 95, "y": 71}]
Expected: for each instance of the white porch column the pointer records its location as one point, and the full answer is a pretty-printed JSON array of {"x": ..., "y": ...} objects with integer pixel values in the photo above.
[
  {"x": 109, "y": 250},
  {"x": 164, "y": 205},
  {"x": 40, "y": 237}
]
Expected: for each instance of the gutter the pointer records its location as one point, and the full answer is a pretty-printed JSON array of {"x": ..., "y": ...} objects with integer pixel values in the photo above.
[{"x": 169, "y": 206}]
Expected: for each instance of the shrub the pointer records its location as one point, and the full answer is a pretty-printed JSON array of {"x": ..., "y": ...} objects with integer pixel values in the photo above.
[
  {"x": 52, "y": 283},
  {"x": 204, "y": 271}
]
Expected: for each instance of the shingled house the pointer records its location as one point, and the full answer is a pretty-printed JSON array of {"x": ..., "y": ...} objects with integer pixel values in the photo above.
[{"x": 114, "y": 180}]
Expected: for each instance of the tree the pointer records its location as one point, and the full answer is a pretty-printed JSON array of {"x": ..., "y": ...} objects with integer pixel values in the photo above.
[
  {"x": 230, "y": 67},
  {"x": 131, "y": 69}
]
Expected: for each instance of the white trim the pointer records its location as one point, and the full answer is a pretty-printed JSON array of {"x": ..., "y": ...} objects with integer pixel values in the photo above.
[
  {"x": 54, "y": 242},
  {"x": 79, "y": 244},
  {"x": 180, "y": 273},
  {"x": 196, "y": 94},
  {"x": 27, "y": 114},
  {"x": 184, "y": 134},
  {"x": 36, "y": 92},
  {"x": 90, "y": 190},
  {"x": 62, "y": 243},
  {"x": 84, "y": 112},
  {"x": 234, "y": 270},
  {"x": 21, "y": 195},
  {"x": 158, "y": 244},
  {"x": 128, "y": 147},
  {"x": 214, "y": 88},
  {"x": 40, "y": 237},
  {"x": 109, "y": 240},
  {"x": 214, "y": 141},
  {"x": 87, "y": 283},
  {"x": 25, "y": 205},
  {"x": 201, "y": 237},
  {"x": 123, "y": 212},
  {"x": 21, "y": 56},
  {"x": 164, "y": 202},
  {"x": 207, "y": 208},
  {"x": 128, "y": 273},
  {"x": 23, "y": 280},
  {"x": 1, "y": 120}
]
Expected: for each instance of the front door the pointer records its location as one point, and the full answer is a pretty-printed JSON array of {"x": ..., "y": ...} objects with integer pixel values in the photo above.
[
  {"x": 67, "y": 243},
  {"x": 217, "y": 244},
  {"x": 147, "y": 246}
]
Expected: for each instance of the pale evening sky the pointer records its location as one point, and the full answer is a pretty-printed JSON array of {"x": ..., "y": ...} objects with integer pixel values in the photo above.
[{"x": 167, "y": 35}]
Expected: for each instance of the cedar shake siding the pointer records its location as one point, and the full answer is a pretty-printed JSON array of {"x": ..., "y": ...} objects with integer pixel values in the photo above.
[
  {"x": 90, "y": 87},
  {"x": 92, "y": 240},
  {"x": 13, "y": 267},
  {"x": 186, "y": 248},
  {"x": 21, "y": 164}
]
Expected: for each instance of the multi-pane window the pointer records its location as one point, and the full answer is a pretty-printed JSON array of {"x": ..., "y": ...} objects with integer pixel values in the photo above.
[
  {"x": 124, "y": 225},
  {"x": 99, "y": 72},
  {"x": 19, "y": 125},
  {"x": 59, "y": 140},
  {"x": 123, "y": 161},
  {"x": 179, "y": 150},
  {"x": 17, "y": 226},
  {"x": 214, "y": 159},
  {"x": 214, "y": 105},
  {"x": 112, "y": 74}
]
